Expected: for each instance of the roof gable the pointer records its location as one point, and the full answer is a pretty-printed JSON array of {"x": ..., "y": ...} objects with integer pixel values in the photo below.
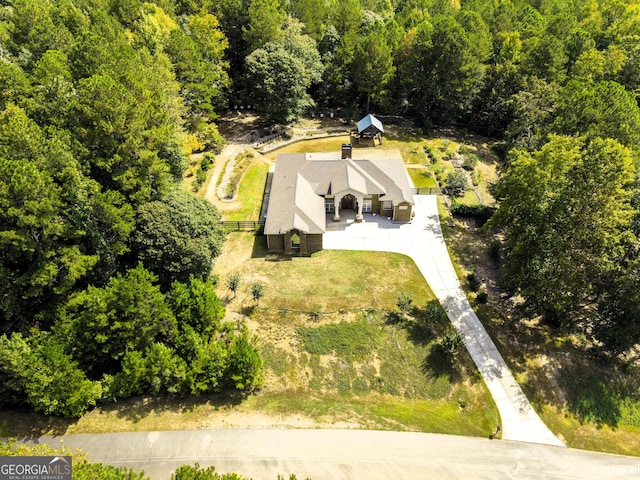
[
  {"x": 293, "y": 204},
  {"x": 370, "y": 121}
]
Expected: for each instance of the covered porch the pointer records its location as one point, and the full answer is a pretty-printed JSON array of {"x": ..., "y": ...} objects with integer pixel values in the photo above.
[{"x": 348, "y": 218}]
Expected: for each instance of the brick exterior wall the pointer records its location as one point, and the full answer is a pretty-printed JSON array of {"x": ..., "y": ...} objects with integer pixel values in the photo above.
[{"x": 309, "y": 243}]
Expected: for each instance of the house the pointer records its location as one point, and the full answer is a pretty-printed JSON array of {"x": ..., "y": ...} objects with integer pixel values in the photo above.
[
  {"x": 310, "y": 189},
  {"x": 370, "y": 127}
]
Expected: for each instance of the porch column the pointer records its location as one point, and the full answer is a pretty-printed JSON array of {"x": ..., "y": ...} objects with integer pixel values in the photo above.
[
  {"x": 359, "y": 216},
  {"x": 336, "y": 208}
]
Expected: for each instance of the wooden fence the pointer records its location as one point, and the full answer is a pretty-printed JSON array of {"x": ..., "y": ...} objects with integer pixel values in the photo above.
[
  {"x": 243, "y": 225},
  {"x": 427, "y": 191}
]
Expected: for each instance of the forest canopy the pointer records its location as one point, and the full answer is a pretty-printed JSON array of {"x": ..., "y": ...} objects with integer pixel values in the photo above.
[
  {"x": 105, "y": 259},
  {"x": 102, "y": 102}
]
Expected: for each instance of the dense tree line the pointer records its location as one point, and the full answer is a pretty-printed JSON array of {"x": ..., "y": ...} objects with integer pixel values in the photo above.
[{"x": 104, "y": 257}]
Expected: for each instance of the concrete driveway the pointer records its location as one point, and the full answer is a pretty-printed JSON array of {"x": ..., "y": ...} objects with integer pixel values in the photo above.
[{"x": 422, "y": 240}]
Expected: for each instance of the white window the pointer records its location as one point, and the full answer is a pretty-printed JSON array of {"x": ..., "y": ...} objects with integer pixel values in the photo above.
[
  {"x": 387, "y": 206},
  {"x": 403, "y": 207},
  {"x": 366, "y": 206},
  {"x": 329, "y": 206}
]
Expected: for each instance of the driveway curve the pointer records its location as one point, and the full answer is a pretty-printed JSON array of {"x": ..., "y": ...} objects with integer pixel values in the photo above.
[{"x": 422, "y": 240}]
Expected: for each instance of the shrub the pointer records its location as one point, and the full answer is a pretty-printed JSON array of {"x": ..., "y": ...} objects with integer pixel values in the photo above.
[
  {"x": 470, "y": 161},
  {"x": 430, "y": 153},
  {"x": 482, "y": 213},
  {"x": 476, "y": 177},
  {"x": 233, "y": 282},
  {"x": 474, "y": 283},
  {"x": 450, "y": 341},
  {"x": 257, "y": 291},
  {"x": 456, "y": 183},
  {"x": 314, "y": 313},
  {"x": 465, "y": 149},
  {"x": 207, "y": 161},
  {"x": 404, "y": 302},
  {"x": 188, "y": 472},
  {"x": 482, "y": 297},
  {"x": 494, "y": 250}
]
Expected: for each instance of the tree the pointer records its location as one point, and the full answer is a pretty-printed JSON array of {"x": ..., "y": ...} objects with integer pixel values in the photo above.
[
  {"x": 196, "y": 304},
  {"x": 244, "y": 370},
  {"x": 372, "y": 64},
  {"x": 617, "y": 324},
  {"x": 604, "y": 109},
  {"x": 257, "y": 291},
  {"x": 265, "y": 24},
  {"x": 233, "y": 281},
  {"x": 533, "y": 110},
  {"x": 279, "y": 83},
  {"x": 36, "y": 28},
  {"x": 444, "y": 71},
  {"x": 51, "y": 380},
  {"x": 563, "y": 229},
  {"x": 178, "y": 236},
  {"x": 56, "y": 225},
  {"x": 101, "y": 325}
]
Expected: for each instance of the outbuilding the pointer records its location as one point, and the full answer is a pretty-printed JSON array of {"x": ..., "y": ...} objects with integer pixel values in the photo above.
[{"x": 370, "y": 127}]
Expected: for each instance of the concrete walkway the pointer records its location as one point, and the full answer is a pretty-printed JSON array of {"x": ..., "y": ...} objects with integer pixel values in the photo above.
[
  {"x": 346, "y": 454},
  {"x": 422, "y": 240}
]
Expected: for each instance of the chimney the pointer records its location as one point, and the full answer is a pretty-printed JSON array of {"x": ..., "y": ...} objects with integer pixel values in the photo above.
[{"x": 346, "y": 150}]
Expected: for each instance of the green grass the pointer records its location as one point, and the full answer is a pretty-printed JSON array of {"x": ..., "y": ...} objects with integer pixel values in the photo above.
[
  {"x": 348, "y": 340},
  {"x": 422, "y": 178},
  {"x": 623, "y": 439},
  {"x": 469, "y": 198},
  {"x": 384, "y": 412},
  {"x": 251, "y": 191},
  {"x": 329, "y": 144},
  {"x": 379, "y": 373},
  {"x": 327, "y": 280}
]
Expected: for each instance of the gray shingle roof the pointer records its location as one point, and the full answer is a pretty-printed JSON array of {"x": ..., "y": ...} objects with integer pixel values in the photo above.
[
  {"x": 369, "y": 121},
  {"x": 300, "y": 180}
]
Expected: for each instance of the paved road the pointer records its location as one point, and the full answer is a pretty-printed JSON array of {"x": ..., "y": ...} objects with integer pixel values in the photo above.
[
  {"x": 347, "y": 454},
  {"x": 422, "y": 240}
]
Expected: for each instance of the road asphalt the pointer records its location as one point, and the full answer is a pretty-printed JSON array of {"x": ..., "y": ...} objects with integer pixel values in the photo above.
[
  {"x": 346, "y": 454},
  {"x": 422, "y": 240}
]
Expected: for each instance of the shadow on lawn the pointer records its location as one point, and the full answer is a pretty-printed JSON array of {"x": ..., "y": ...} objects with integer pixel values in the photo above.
[
  {"x": 23, "y": 424},
  {"x": 601, "y": 396},
  {"x": 138, "y": 408},
  {"x": 440, "y": 363}
]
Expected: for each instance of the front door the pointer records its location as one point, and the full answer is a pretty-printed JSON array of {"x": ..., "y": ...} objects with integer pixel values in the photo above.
[{"x": 348, "y": 202}]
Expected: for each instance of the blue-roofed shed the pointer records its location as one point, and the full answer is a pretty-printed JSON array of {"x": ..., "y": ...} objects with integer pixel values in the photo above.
[{"x": 370, "y": 127}]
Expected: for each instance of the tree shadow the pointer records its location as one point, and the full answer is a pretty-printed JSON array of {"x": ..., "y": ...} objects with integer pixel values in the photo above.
[
  {"x": 136, "y": 409},
  {"x": 593, "y": 396},
  {"x": 24, "y": 424},
  {"x": 440, "y": 363},
  {"x": 418, "y": 333}
]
